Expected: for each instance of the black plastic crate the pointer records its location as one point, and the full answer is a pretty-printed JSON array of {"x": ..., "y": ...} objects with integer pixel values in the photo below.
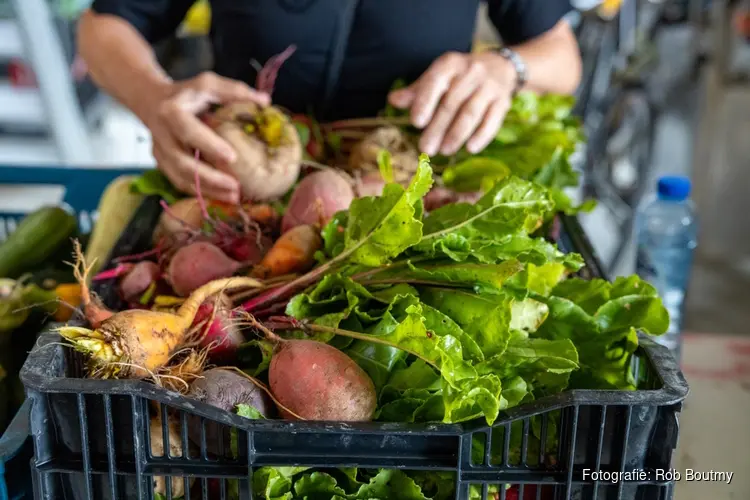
[{"x": 92, "y": 438}]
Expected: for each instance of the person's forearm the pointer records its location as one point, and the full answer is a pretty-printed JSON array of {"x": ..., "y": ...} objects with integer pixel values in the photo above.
[
  {"x": 121, "y": 62},
  {"x": 553, "y": 61}
]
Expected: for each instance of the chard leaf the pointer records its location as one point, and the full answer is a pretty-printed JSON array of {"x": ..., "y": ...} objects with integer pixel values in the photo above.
[
  {"x": 472, "y": 399},
  {"x": 513, "y": 206},
  {"x": 390, "y": 484},
  {"x": 601, "y": 319},
  {"x": 250, "y": 412},
  {"x": 527, "y": 315},
  {"x": 318, "y": 485},
  {"x": 275, "y": 483},
  {"x": 524, "y": 248},
  {"x": 376, "y": 359},
  {"x": 380, "y": 228},
  {"x": 442, "y": 325},
  {"x": 469, "y": 174},
  {"x": 486, "y": 319},
  {"x": 480, "y": 277}
]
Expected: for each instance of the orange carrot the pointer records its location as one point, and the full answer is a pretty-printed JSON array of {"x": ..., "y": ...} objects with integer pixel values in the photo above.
[{"x": 293, "y": 252}]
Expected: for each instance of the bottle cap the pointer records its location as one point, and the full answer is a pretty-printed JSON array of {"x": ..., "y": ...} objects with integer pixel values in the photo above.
[{"x": 673, "y": 188}]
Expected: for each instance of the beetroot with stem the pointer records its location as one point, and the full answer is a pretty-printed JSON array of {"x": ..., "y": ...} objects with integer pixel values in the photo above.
[
  {"x": 196, "y": 264},
  {"x": 218, "y": 330},
  {"x": 316, "y": 381}
]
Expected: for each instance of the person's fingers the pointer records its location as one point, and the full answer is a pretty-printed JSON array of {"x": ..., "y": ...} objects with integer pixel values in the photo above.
[
  {"x": 179, "y": 114},
  {"x": 227, "y": 90},
  {"x": 450, "y": 106},
  {"x": 467, "y": 119},
  {"x": 180, "y": 167},
  {"x": 487, "y": 130},
  {"x": 431, "y": 86},
  {"x": 402, "y": 98}
]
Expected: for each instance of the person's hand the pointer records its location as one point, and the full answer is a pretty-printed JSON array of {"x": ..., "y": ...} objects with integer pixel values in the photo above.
[
  {"x": 177, "y": 132},
  {"x": 460, "y": 99}
]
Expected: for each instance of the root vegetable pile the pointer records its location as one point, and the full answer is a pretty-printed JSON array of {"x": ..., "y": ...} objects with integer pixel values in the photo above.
[{"x": 380, "y": 294}]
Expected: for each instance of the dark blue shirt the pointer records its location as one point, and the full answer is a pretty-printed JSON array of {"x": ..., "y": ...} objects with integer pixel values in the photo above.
[{"x": 349, "y": 52}]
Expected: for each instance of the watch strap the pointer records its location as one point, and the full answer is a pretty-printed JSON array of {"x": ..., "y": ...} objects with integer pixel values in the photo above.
[{"x": 518, "y": 64}]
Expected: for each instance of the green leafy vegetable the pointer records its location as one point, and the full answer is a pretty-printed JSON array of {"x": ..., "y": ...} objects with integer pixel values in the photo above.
[
  {"x": 461, "y": 313},
  {"x": 153, "y": 182}
]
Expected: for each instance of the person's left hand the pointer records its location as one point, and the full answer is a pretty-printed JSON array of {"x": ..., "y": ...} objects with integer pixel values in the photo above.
[{"x": 460, "y": 99}]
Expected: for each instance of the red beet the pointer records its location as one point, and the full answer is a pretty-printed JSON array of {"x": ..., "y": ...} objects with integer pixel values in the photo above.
[
  {"x": 248, "y": 248},
  {"x": 139, "y": 279},
  {"x": 316, "y": 199},
  {"x": 194, "y": 265},
  {"x": 221, "y": 335}
]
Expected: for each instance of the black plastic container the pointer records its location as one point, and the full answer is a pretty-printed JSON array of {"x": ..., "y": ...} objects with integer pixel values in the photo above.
[{"x": 92, "y": 438}]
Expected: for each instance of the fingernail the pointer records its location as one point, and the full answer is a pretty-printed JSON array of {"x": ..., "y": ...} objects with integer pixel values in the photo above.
[
  {"x": 229, "y": 155},
  {"x": 474, "y": 147},
  {"x": 429, "y": 147},
  {"x": 400, "y": 98}
]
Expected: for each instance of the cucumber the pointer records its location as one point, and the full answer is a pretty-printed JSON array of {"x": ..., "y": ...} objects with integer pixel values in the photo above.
[{"x": 39, "y": 235}]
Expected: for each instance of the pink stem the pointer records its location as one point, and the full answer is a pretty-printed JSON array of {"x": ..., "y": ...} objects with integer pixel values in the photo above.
[
  {"x": 115, "y": 272},
  {"x": 284, "y": 291},
  {"x": 218, "y": 224},
  {"x": 267, "y": 75},
  {"x": 198, "y": 195},
  {"x": 139, "y": 256}
]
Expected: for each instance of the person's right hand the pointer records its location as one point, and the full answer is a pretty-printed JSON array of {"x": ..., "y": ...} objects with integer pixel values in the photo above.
[{"x": 177, "y": 133}]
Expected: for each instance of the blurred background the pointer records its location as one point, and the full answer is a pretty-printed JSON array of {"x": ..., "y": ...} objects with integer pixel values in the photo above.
[
  {"x": 665, "y": 91},
  {"x": 662, "y": 93}
]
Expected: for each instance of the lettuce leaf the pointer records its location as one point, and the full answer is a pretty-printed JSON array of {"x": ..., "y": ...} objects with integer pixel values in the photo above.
[{"x": 602, "y": 320}]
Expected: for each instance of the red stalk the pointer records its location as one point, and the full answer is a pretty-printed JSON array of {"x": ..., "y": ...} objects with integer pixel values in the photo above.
[{"x": 115, "y": 272}]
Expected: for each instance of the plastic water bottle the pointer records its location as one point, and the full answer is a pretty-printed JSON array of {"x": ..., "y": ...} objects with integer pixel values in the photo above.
[{"x": 667, "y": 230}]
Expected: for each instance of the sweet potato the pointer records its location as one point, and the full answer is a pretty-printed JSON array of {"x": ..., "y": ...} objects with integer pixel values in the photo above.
[
  {"x": 316, "y": 199},
  {"x": 318, "y": 382},
  {"x": 196, "y": 264},
  {"x": 293, "y": 252},
  {"x": 267, "y": 146},
  {"x": 224, "y": 389},
  {"x": 138, "y": 280}
]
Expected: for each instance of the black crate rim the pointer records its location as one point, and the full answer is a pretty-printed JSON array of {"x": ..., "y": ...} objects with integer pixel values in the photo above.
[{"x": 673, "y": 390}]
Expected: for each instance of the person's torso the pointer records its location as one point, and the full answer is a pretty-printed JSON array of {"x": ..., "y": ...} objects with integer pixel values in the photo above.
[{"x": 349, "y": 52}]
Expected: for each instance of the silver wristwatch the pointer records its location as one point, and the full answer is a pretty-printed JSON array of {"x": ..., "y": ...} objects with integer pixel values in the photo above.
[{"x": 518, "y": 64}]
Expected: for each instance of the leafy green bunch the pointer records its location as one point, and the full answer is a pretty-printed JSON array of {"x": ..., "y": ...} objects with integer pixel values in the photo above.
[
  {"x": 462, "y": 313},
  {"x": 538, "y": 137}
]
